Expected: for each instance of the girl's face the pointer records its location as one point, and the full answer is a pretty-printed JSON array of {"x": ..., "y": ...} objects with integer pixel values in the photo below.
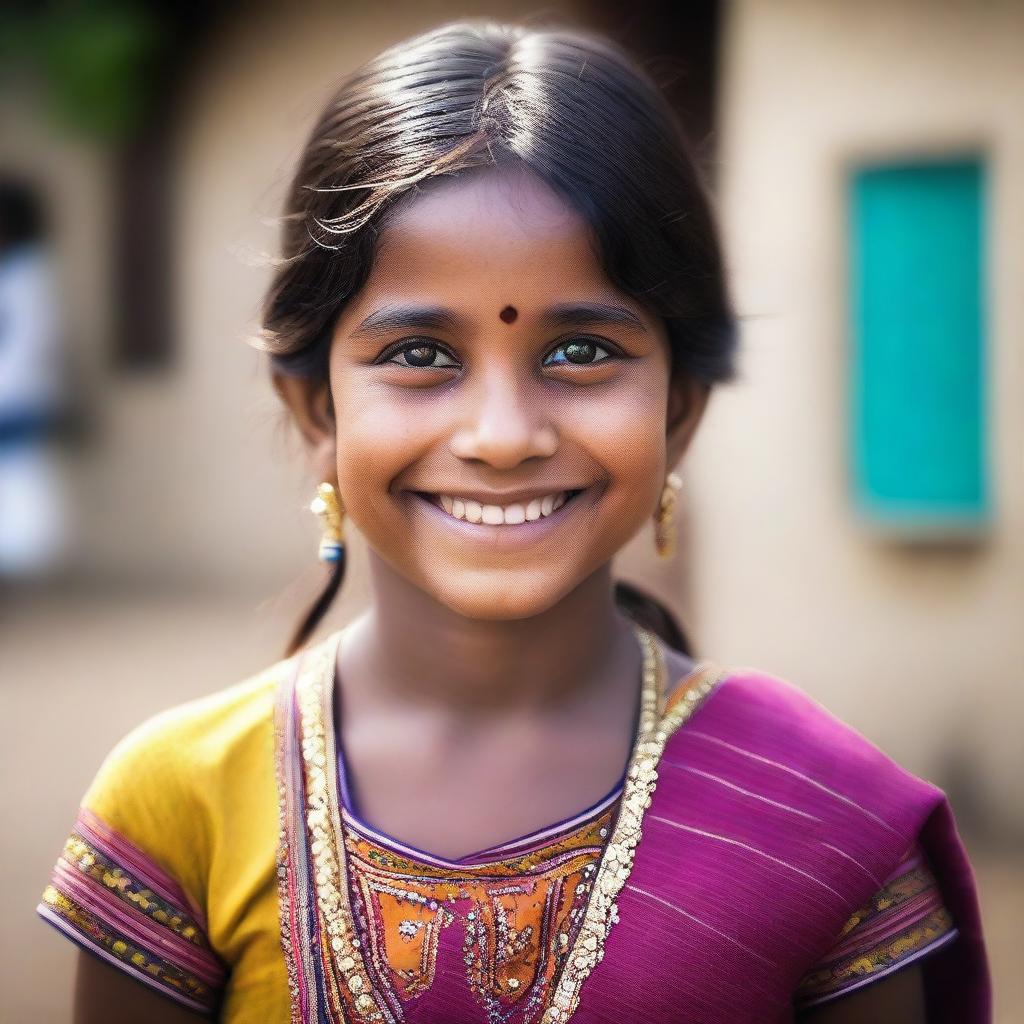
[{"x": 489, "y": 360}]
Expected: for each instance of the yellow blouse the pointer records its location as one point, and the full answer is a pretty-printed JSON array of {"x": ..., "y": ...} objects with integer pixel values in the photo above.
[
  {"x": 175, "y": 870},
  {"x": 177, "y": 842}
]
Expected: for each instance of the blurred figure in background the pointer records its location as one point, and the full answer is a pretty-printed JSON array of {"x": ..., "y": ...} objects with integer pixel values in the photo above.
[{"x": 32, "y": 522}]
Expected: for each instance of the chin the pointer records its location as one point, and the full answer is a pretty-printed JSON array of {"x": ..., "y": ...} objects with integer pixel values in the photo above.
[{"x": 499, "y": 599}]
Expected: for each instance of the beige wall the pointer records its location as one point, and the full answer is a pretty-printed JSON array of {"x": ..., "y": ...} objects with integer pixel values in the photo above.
[
  {"x": 921, "y": 649},
  {"x": 197, "y": 479},
  {"x": 203, "y": 455}
]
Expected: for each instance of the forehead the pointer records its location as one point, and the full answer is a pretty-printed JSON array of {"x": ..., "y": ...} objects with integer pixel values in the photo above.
[{"x": 496, "y": 234}]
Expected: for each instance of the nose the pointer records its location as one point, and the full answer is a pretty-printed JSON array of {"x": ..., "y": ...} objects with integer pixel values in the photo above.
[{"x": 502, "y": 421}]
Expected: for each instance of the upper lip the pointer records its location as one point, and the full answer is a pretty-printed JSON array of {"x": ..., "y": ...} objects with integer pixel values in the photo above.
[{"x": 522, "y": 496}]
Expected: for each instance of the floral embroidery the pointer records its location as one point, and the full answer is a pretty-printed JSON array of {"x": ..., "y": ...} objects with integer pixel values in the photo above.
[
  {"x": 110, "y": 897},
  {"x": 902, "y": 921},
  {"x": 138, "y": 958},
  {"x": 517, "y": 915},
  {"x": 361, "y": 924}
]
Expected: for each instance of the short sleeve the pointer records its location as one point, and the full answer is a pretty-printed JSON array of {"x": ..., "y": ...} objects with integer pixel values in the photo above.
[
  {"x": 903, "y": 922},
  {"x": 125, "y": 885}
]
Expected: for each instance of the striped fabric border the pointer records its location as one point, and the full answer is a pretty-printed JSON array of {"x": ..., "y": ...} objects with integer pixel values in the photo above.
[
  {"x": 110, "y": 898},
  {"x": 903, "y": 922}
]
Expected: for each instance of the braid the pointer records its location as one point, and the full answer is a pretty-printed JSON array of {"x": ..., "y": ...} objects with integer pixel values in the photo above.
[
  {"x": 653, "y": 615},
  {"x": 319, "y": 607}
]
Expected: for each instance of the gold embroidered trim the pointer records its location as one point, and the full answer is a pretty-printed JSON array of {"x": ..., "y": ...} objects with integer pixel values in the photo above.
[
  {"x": 314, "y": 696},
  {"x": 93, "y": 930},
  {"x": 851, "y": 961},
  {"x": 617, "y": 863},
  {"x": 282, "y": 717},
  {"x": 128, "y": 888},
  {"x": 327, "y": 848}
]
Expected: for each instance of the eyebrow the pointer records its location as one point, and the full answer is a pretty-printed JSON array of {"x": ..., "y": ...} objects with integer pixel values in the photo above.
[{"x": 428, "y": 317}]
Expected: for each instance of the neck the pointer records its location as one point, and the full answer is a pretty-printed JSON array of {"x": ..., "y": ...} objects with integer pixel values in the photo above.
[{"x": 410, "y": 648}]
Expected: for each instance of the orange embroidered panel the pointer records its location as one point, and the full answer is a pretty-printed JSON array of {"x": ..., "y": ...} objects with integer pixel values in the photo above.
[
  {"x": 518, "y": 915},
  {"x": 375, "y": 930}
]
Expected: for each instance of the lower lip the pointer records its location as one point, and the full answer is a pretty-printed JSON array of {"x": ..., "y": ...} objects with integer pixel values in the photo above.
[{"x": 528, "y": 532}]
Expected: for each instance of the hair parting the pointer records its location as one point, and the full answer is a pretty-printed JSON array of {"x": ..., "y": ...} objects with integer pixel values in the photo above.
[{"x": 566, "y": 104}]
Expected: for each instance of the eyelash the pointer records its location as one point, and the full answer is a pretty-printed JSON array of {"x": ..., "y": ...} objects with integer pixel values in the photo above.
[{"x": 388, "y": 356}]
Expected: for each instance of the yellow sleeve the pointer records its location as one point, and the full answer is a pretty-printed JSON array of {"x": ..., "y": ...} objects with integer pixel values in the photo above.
[{"x": 129, "y": 884}]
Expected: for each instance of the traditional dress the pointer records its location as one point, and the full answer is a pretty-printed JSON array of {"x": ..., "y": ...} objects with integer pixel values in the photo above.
[{"x": 756, "y": 857}]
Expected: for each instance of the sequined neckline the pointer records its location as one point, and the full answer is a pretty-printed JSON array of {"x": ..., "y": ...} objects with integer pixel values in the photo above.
[
  {"x": 545, "y": 835},
  {"x": 319, "y": 933}
]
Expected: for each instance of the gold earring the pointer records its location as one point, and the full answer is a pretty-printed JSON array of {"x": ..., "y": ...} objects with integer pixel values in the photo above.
[
  {"x": 327, "y": 505},
  {"x": 664, "y": 536}
]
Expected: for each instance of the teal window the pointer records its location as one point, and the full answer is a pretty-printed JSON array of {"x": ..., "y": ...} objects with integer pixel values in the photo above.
[{"x": 917, "y": 379}]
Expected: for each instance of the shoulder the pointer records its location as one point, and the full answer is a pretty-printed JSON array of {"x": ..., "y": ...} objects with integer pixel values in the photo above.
[
  {"x": 784, "y": 786},
  {"x": 173, "y": 782},
  {"x": 762, "y": 735},
  {"x": 777, "y": 718},
  {"x": 177, "y": 746},
  {"x": 176, "y": 823}
]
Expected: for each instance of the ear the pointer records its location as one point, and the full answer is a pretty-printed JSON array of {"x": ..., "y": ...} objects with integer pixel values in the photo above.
[
  {"x": 309, "y": 401},
  {"x": 687, "y": 400}
]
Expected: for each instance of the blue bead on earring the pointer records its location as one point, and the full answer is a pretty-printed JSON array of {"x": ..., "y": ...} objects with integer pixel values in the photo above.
[{"x": 327, "y": 505}]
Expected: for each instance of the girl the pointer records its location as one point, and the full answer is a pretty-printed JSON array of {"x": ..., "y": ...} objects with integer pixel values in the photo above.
[{"x": 506, "y": 792}]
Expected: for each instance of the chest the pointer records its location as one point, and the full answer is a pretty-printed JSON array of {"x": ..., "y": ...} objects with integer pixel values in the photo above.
[
  {"x": 471, "y": 944},
  {"x": 453, "y": 795},
  {"x": 703, "y": 897}
]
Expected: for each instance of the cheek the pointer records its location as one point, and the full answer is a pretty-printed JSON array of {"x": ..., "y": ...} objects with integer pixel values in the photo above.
[
  {"x": 378, "y": 435},
  {"x": 633, "y": 441},
  {"x": 620, "y": 432},
  {"x": 626, "y": 436}
]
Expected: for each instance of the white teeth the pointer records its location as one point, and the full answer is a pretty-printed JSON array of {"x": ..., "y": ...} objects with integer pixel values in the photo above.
[{"x": 495, "y": 515}]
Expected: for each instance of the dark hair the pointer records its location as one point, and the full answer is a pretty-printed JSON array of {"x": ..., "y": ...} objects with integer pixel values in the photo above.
[{"x": 568, "y": 104}]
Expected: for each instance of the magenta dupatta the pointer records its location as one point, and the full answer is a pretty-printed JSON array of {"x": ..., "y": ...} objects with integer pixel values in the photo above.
[
  {"x": 772, "y": 821},
  {"x": 769, "y": 824}
]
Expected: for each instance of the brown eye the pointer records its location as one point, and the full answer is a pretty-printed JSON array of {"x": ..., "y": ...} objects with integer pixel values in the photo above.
[
  {"x": 580, "y": 352},
  {"x": 422, "y": 355}
]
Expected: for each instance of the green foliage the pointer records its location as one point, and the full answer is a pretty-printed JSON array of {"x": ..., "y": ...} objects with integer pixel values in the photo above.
[{"x": 99, "y": 60}]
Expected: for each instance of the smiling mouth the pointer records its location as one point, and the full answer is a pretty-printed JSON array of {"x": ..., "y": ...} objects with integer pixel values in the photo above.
[{"x": 525, "y": 514}]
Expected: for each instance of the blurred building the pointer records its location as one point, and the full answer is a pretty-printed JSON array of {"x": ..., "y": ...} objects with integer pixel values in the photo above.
[
  {"x": 845, "y": 130},
  {"x": 33, "y": 508},
  {"x": 854, "y": 505},
  {"x": 192, "y": 476}
]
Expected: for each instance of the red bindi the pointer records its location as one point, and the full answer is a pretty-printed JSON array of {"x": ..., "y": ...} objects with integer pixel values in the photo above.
[{"x": 508, "y": 314}]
